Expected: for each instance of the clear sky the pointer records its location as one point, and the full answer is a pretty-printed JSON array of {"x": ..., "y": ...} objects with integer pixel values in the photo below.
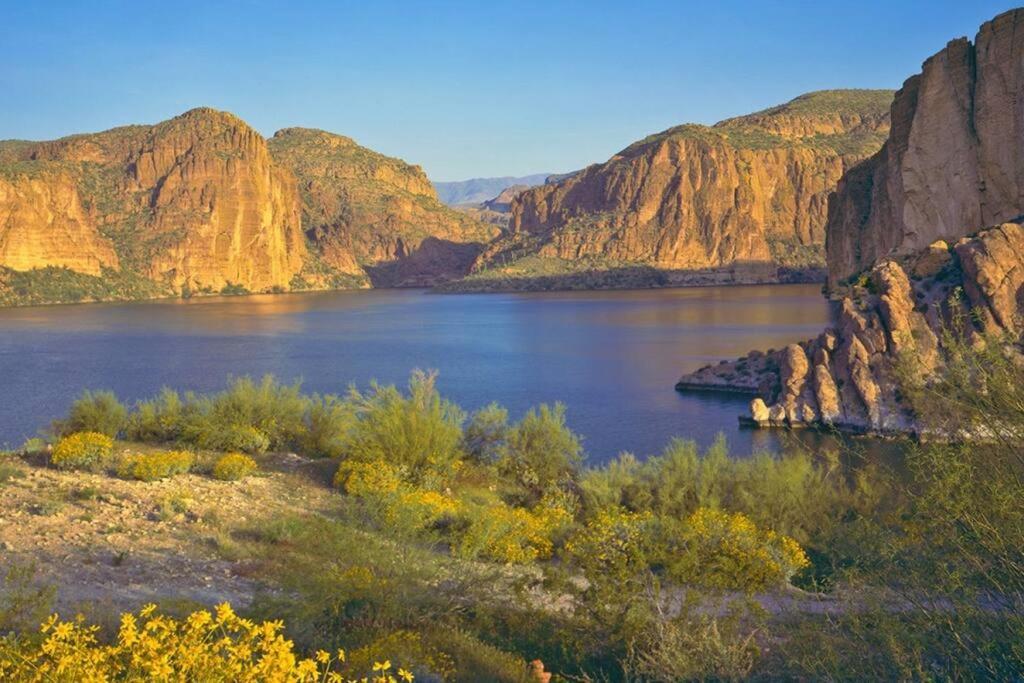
[{"x": 465, "y": 89}]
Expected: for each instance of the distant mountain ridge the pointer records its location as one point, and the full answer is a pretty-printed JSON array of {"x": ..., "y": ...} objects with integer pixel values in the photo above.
[{"x": 480, "y": 190}]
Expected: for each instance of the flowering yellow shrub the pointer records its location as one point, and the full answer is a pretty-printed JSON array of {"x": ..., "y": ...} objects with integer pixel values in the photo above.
[
  {"x": 82, "y": 450},
  {"x": 234, "y": 466},
  {"x": 727, "y": 550},
  {"x": 205, "y": 646},
  {"x": 612, "y": 545},
  {"x": 512, "y": 534},
  {"x": 358, "y": 478},
  {"x": 417, "y": 508},
  {"x": 154, "y": 466}
]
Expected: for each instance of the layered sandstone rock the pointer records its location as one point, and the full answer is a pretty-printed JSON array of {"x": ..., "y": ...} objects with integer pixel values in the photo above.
[
  {"x": 892, "y": 321},
  {"x": 364, "y": 210},
  {"x": 748, "y": 191},
  {"x": 192, "y": 203},
  {"x": 953, "y": 162},
  {"x": 43, "y": 223},
  {"x": 900, "y": 259},
  {"x": 222, "y": 210}
]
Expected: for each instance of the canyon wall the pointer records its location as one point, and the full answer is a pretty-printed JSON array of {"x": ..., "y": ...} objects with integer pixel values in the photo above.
[
  {"x": 365, "y": 210},
  {"x": 747, "y": 191},
  {"x": 953, "y": 162},
  {"x": 909, "y": 253},
  {"x": 203, "y": 204}
]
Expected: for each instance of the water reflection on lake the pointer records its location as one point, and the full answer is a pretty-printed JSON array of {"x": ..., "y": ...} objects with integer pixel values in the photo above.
[{"x": 611, "y": 357}]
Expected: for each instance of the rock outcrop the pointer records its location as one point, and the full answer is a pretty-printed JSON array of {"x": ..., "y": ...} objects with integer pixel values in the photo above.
[
  {"x": 43, "y": 223},
  {"x": 750, "y": 191},
  {"x": 905, "y": 257},
  {"x": 366, "y": 211},
  {"x": 194, "y": 203},
  {"x": 891, "y": 321},
  {"x": 953, "y": 162}
]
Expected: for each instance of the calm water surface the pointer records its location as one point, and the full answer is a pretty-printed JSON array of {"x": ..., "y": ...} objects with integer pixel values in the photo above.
[{"x": 611, "y": 357}]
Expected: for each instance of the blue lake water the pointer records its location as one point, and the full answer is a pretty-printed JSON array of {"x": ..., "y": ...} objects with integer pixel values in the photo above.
[{"x": 611, "y": 357}]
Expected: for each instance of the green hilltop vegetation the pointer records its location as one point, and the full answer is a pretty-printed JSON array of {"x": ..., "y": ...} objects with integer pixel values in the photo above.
[
  {"x": 756, "y": 131},
  {"x": 462, "y": 546}
]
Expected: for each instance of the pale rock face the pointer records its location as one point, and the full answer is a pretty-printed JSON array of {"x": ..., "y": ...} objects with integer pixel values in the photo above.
[
  {"x": 213, "y": 185},
  {"x": 993, "y": 268},
  {"x": 197, "y": 198},
  {"x": 953, "y": 162},
  {"x": 364, "y": 210},
  {"x": 43, "y": 223}
]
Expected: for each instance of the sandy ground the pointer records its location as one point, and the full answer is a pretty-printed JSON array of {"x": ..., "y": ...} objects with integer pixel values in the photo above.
[{"x": 107, "y": 542}]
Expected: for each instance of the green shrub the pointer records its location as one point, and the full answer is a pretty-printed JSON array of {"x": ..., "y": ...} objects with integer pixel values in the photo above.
[
  {"x": 245, "y": 438},
  {"x": 234, "y": 466},
  {"x": 155, "y": 466},
  {"x": 98, "y": 411},
  {"x": 84, "y": 450},
  {"x": 420, "y": 432},
  {"x": 484, "y": 437},
  {"x": 541, "y": 452},
  {"x": 328, "y": 422},
  {"x": 157, "y": 420}
]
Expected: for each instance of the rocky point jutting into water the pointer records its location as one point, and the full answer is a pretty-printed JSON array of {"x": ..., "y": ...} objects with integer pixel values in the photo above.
[
  {"x": 907, "y": 251},
  {"x": 202, "y": 204},
  {"x": 741, "y": 201}
]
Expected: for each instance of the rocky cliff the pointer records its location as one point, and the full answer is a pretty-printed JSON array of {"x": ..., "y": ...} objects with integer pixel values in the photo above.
[
  {"x": 194, "y": 204},
  {"x": 202, "y": 204},
  {"x": 905, "y": 255},
  {"x": 747, "y": 192},
  {"x": 365, "y": 211},
  {"x": 953, "y": 163},
  {"x": 848, "y": 376}
]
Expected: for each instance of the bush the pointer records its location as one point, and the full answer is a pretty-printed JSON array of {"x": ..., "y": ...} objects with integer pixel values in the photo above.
[
  {"x": 716, "y": 549},
  {"x": 234, "y": 466},
  {"x": 154, "y": 466},
  {"x": 484, "y": 437},
  {"x": 98, "y": 411},
  {"x": 245, "y": 438},
  {"x": 84, "y": 450},
  {"x": 420, "y": 433},
  {"x": 512, "y": 534},
  {"x": 541, "y": 452},
  {"x": 328, "y": 421},
  {"x": 207, "y": 646},
  {"x": 157, "y": 420}
]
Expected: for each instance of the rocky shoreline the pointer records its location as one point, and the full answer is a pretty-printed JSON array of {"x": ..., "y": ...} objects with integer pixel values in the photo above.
[{"x": 847, "y": 377}]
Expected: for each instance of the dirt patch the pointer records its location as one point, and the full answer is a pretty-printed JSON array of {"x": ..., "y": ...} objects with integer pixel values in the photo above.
[{"x": 109, "y": 542}]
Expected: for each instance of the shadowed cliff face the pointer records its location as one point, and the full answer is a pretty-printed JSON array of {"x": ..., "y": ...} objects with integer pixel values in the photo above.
[
  {"x": 365, "y": 210},
  {"x": 953, "y": 162},
  {"x": 195, "y": 202},
  {"x": 749, "y": 189}
]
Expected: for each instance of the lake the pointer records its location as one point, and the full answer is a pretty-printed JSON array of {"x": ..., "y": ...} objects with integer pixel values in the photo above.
[{"x": 612, "y": 357}]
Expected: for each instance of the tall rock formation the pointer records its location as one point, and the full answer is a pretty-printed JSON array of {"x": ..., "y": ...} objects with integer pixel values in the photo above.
[
  {"x": 909, "y": 253},
  {"x": 365, "y": 210},
  {"x": 194, "y": 203},
  {"x": 953, "y": 163},
  {"x": 202, "y": 204},
  {"x": 749, "y": 192}
]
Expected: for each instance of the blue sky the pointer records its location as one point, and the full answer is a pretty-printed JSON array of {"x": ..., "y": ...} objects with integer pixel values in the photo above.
[{"x": 463, "y": 88}]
